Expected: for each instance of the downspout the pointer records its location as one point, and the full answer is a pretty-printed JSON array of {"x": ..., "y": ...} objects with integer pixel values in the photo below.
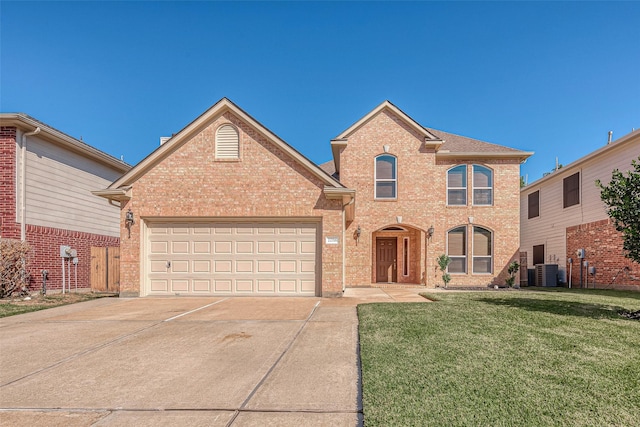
[{"x": 23, "y": 189}]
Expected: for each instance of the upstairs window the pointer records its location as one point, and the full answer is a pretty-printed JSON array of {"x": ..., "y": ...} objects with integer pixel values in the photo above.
[
  {"x": 482, "y": 251},
  {"x": 534, "y": 204},
  {"x": 227, "y": 143},
  {"x": 482, "y": 186},
  {"x": 385, "y": 177},
  {"x": 571, "y": 190},
  {"x": 457, "y": 250},
  {"x": 457, "y": 185}
]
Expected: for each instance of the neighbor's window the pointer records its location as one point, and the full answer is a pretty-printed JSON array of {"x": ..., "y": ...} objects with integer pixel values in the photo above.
[
  {"x": 227, "y": 143},
  {"x": 482, "y": 185},
  {"x": 534, "y": 204},
  {"x": 385, "y": 177},
  {"x": 457, "y": 250},
  {"x": 482, "y": 250},
  {"x": 538, "y": 254},
  {"x": 457, "y": 185},
  {"x": 571, "y": 190}
]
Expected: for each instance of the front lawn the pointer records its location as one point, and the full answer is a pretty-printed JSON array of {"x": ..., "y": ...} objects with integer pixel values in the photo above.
[
  {"x": 36, "y": 302},
  {"x": 523, "y": 358}
]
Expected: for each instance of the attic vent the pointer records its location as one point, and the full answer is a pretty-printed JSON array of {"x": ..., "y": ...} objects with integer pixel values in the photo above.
[{"x": 227, "y": 143}]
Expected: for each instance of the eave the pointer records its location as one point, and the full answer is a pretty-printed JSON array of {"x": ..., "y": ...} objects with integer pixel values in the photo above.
[
  {"x": 517, "y": 155},
  {"x": 114, "y": 194},
  {"x": 348, "y": 198}
]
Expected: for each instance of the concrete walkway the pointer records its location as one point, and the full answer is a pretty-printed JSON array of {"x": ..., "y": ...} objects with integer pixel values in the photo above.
[{"x": 187, "y": 361}]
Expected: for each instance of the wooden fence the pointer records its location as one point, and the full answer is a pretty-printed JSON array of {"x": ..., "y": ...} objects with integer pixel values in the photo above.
[{"x": 105, "y": 269}]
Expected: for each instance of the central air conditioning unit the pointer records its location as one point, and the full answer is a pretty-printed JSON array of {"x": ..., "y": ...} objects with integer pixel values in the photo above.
[{"x": 546, "y": 274}]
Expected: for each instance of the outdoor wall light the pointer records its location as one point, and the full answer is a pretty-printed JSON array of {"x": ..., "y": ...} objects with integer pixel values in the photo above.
[
  {"x": 430, "y": 231},
  {"x": 129, "y": 221},
  {"x": 356, "y": 234}
]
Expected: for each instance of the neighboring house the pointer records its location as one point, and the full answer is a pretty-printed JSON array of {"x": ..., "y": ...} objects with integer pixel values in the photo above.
[
  {"x": 46, "y": 180},
  {"x": 562, "y": 213},
  {"x": 226, "y": 207}
]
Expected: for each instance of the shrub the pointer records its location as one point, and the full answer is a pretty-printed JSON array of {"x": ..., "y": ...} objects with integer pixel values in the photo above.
[{"x": 14, "y": 276}]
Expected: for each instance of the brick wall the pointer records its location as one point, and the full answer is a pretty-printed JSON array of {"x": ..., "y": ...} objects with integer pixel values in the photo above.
[
  {"x": 45, "y": 245},
  {"x": 264, "y": 183},
  {"x": 603, "y": 250},
  {"x": 9, "y": 229},
  {"x": 421, "y": 203}
]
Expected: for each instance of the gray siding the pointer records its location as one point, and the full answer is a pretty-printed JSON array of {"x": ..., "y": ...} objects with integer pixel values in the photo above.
[{"x": 58, "y": 190}]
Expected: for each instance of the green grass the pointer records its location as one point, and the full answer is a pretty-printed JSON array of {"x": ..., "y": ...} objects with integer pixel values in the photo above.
[
  {"x": 526, "y": 358},
  {"x": 39, "y": 302}
]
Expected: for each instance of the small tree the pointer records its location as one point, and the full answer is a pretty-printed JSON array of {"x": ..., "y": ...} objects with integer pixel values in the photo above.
[
  {"x": 443, "y": 262},
  {"x": 622, "y": 196},
  {"x": 512, "y": 270}
]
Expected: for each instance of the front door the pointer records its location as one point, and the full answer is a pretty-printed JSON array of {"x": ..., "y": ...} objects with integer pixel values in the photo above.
[{"x": 386, "y": 252}]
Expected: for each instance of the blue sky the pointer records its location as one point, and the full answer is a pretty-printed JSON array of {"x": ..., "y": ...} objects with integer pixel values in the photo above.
[{"x": 552, "y": 78}]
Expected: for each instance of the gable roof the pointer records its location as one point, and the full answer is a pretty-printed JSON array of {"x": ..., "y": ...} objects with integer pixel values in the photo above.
[
  {"x": 121, "y": 185},
  {"x": 27, "y": 123},
  {"x": 445, "y": 144}
]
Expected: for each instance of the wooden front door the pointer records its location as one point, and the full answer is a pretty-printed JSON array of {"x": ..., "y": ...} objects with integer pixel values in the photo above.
[{"x": 386, "y": 259}]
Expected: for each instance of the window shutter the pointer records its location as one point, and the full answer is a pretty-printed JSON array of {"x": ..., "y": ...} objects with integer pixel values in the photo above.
[{"x": 227, "y": 143}]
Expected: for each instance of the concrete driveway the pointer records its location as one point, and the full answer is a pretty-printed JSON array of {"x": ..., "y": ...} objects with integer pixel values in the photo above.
[{"x": 185, "y": 361}]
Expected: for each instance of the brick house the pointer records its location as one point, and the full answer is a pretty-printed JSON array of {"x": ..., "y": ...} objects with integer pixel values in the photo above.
[
  {"x": 422, "y": 193},
  {"x": 46, "y": 179},
  {"x": 562, "y": 213},
  {"x": 226, "y": 207}
]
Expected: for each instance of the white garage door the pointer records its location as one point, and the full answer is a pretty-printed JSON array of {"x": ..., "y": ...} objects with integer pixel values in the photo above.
[{"x": 252, "y": 258}]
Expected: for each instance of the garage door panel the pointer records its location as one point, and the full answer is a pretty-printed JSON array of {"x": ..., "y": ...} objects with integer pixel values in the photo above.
[{"x": 232, "y": 258}]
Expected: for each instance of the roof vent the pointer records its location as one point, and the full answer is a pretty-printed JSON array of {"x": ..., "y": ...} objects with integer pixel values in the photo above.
[
  {"x": 164, "y": 139},
  {"x": 610, "y": 136}
]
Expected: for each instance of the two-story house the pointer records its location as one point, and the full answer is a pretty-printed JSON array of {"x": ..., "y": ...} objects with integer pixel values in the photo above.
[
  {"x": 565, "y": 223},
  {"x": 46, "y": 180},
  {"x": 225, "y": 207},
  {"x": 421, "y": 193}
]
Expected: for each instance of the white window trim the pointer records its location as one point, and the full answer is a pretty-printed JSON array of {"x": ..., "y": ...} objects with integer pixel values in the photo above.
[
  {"x": 466, "y": 257},
  {"x": 376, "y": 180},
  {"x": 466, "y": 196},
  {"x": 473, "y": 185},
  {"x": 473, "y": 257}
]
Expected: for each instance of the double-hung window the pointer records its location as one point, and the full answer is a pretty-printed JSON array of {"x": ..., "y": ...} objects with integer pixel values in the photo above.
[
  {"x": 386, "y": 181},
  {"x": 457, "y": 185},
  {"x": 457, "y": 250},
  {"x": 482, "y": 251},
  {"x": 482, "y": 186}
]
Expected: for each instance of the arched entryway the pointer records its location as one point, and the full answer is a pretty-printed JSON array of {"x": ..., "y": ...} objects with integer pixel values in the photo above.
[{"x": 397, "y": 251}]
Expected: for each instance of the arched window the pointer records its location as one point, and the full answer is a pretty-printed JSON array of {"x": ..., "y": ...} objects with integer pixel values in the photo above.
[
  {"x": 482, "y": 251},
  {"x": 457, "y": 249},
  {"x": 482, "y": 185},
  {"x": 385, "y": 177},
  {"x": 227, "y": 143},
  {"x": 457, "y": 185}
]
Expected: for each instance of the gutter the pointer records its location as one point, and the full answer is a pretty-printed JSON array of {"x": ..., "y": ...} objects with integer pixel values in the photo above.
[{"x": 23, "y": 188}]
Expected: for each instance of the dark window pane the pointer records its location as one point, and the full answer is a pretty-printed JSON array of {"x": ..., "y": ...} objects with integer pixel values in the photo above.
[
  {"x": 571, "y": 190},
  {"x": 457, "y": 197},
  {"x": 457, "y": 265},
  {"x": 534, "y": 204},
  {"x": 457, "y": 242},
  {"x": 386, "y": 167},
  {"x": 482, "y": 265},
  {"x": 481, "y": 241},
  {"x": 457, "y": 177},
  {"x": 482, "y": 197},
  {"x": 482, "y": 176},
  {"x": 385, "y": 190},
  {"x": 538, "y": 254}
]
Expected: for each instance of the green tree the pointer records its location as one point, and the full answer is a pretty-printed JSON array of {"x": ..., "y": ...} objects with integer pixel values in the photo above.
[
  {"x": 622, "y": 197},
  {"x": 443, "y": 262}
]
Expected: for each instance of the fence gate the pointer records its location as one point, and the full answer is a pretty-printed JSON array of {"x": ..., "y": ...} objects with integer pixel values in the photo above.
[{"x": 105, "y": 269}]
